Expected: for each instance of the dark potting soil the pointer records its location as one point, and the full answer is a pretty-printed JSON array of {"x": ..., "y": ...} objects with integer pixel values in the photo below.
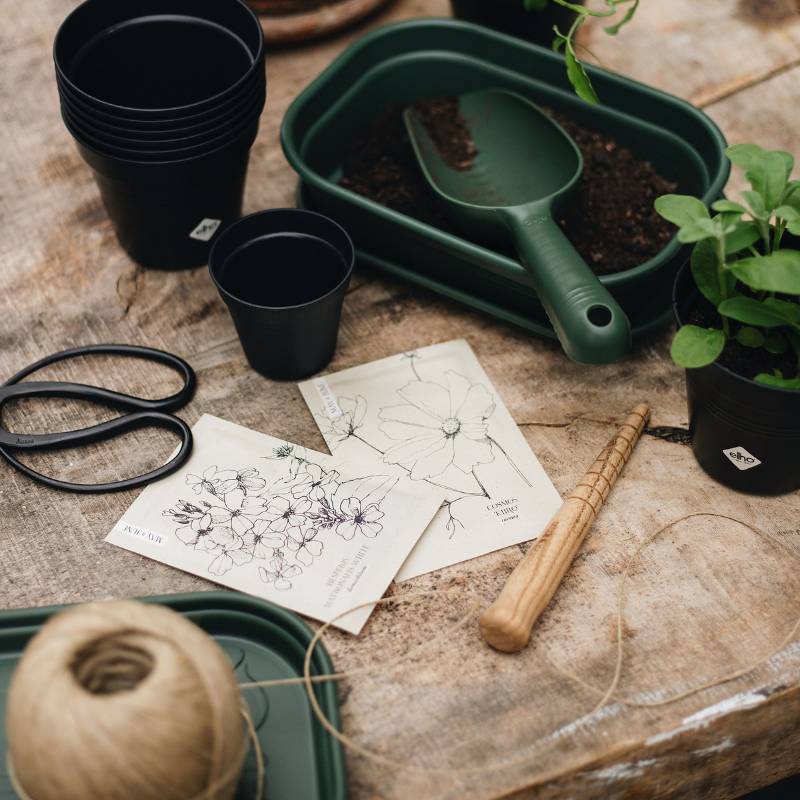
[
  {"x": 448, "y": 129},
  {"x": 611, "y": 219},
  {"x": 745, "y": 361}
]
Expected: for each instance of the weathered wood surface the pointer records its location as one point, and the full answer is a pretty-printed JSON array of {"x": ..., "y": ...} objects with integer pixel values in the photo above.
[{"x": 704, "y": 599}]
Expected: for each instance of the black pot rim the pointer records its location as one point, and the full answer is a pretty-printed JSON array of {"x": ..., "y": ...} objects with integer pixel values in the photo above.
[
  {"x": 156, "y": 124},
  {"x": 172, "y": 162},
  {"x": 155, "y": 147},
  {"x": 154, "y": 134},
  {"x": 298, "y": 212},
  {"x": 147, "y": 113},
  {"x": 735, "y": 375}
]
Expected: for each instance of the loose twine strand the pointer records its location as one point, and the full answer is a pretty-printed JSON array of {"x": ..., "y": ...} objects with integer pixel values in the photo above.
[
  {"x": 308, "y": 680},
  {"x": 542, "y": 745}
]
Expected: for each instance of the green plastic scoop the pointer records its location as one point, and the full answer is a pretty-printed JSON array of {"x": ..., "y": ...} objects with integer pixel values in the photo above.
[{"x": 525, "y": 167}]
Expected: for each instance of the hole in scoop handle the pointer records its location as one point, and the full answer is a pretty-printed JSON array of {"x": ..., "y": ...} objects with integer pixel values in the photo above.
[{"x": 589, "y": 323}]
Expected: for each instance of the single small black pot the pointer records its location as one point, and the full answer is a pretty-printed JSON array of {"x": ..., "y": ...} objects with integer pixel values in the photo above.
[
  {"x": 745, "y": 435},
  {"x": 510, "y": 16},
  {"x": 166, "y": 214},
  {"x": 283, "y": 274}
]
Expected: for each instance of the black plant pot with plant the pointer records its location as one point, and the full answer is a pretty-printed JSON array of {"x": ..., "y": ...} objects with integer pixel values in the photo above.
[
  {"x": 745, "y": 434},
  {"x": 550, "y": 23},
  {"x": 512, "y": 17},
  {"x": 737, "y": 305}
]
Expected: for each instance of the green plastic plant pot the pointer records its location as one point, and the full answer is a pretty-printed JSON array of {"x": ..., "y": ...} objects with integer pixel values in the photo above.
[{"x": 406, "y": 61}]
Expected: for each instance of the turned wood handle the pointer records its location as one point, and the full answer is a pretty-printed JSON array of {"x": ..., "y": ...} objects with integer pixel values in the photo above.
[{"x": 506, "y": 625}]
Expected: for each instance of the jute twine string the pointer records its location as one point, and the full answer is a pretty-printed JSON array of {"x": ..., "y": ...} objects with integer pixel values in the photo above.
[
  {"x": 210, "y": 792},
  {"x": 308, "y": 681},
  {"x": 537, "y": 748}
]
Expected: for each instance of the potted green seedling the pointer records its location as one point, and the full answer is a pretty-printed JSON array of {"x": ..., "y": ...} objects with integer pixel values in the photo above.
[
  {"x": 738, "y": 309},
  {"x": 540, "y": 21}
]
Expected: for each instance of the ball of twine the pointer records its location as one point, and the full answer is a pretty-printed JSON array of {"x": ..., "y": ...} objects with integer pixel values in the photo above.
[{"x": 124, "y": 701}]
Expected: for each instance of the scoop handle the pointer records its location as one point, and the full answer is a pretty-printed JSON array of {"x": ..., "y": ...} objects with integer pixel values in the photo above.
[{"x": 589, "y": 323}]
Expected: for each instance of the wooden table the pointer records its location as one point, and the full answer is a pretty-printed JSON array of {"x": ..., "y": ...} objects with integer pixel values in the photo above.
[{"x": 706, "y": 598}]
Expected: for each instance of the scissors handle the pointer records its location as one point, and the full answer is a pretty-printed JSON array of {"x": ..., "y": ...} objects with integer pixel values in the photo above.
[
  {"x": 116, "y": 399},
  {"x": 128, "y": 422},
  {"x": 143, "y": 412}
]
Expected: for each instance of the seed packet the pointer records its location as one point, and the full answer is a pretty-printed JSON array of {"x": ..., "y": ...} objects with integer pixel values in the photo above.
[
  {"x": 433, "y": 416},
  {"x": 311, "y": 532}
]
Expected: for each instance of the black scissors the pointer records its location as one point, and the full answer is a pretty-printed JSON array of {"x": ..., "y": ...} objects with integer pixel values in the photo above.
[{"x": 141, "y": 412}]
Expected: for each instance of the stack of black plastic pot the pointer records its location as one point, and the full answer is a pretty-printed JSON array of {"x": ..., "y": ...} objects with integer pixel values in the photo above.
[{"x": 163, "y": 98}]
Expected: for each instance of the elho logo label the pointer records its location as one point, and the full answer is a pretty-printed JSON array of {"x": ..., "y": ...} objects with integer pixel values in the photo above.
[
  {"x": 206, "y": 229},
  {"x": 740, "y": 458}
]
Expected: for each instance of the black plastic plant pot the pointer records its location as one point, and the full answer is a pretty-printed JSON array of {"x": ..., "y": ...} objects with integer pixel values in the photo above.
[
  {"x": 134, "y": 135},
  {"x": 156, "y": 125},
  {"x": 746, "y": 435},
  {"x": 510, "y": 16},
  {"x": 166, "y": 214},
  {"x": 283, "y": 274},
  {"x": 158, "y": 58},
  {"x": 161, "y": 151}
]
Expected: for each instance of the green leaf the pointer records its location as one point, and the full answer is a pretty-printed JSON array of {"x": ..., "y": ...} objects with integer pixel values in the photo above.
[
  {"x": 794, "y": 227},
  {"x": 745, "y": 234},
  {"x": 742, "y": 154},
  {"x": 705, "y": 271},
  {"x": 613, "y": 30},
  {"x": 767, "y": 175},
  {"x": 681, "y": 209},
  {"x": 581, "y": 10},
  {"x": 750, "y": 337},
  {"x": 775, "y": 343},
  {"x": 694, "y": 233},
  {"x": 792, "y": 196},
  {"x": 578, "y": 77},
  {"x": 728, "y": 205},
  {"x": 758, "y": 207},
  {"x": 751, "y": 312},
  {"x": 695, "y": 347},
  {"x": 784, "y": 308},
  {"x": 776, "y": 272},
  {"x": 788, "y": 213},
  {"x": 778, "y": 381},
  {"x": 788, "y": 160}
]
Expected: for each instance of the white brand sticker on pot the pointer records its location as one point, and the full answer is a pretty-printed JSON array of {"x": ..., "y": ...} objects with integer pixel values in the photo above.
[
  {"x": 206, "y": 229},
  {"x": 741, "y": 458}
]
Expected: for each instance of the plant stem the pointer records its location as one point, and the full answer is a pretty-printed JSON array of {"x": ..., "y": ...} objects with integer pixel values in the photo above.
[
  {"x": 478, "y": 481},
  {"x": 509, "y": 459},
  {"x": 482, "y": 493},
  {"x": 721, "y": 279},
  {"x": 780, "y": 227},
  {"x": 368, "y": 444}
]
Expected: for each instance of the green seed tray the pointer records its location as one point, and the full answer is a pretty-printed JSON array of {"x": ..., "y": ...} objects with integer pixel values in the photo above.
[
  {"x": 263, "y": 642},
  {"x": 495, "y": 297},
  {"x": 421, "y": 58}
]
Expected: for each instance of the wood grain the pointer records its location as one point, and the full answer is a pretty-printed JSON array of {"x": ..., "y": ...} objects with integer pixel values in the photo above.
[{"x": 705, "y": 599}]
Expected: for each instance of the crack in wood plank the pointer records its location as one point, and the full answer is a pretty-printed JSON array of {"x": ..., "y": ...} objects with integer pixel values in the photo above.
[{"x": 726, "y": 91}]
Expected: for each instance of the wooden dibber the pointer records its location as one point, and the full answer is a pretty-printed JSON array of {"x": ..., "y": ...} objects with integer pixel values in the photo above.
[{"x": 506, "y": 625}]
